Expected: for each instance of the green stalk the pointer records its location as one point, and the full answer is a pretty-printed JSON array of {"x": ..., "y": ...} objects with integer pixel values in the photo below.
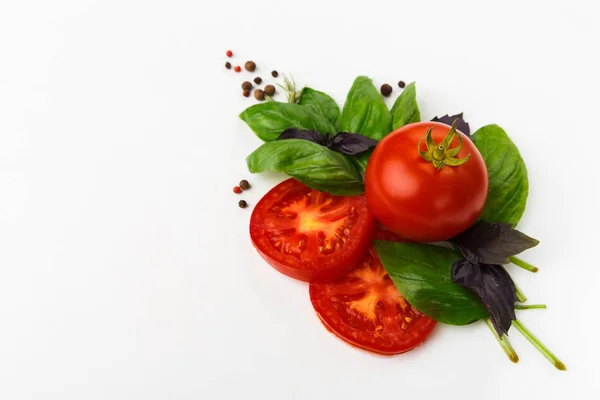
[
  {"x": 504, "y": 343},
  {"x": 528, "y": 306},
  {"x": 523, "y": 264},
  {"x": 521, "y": 298},
  {"x": 293, "y": 95},
  {"x": 539, "y": 345}
]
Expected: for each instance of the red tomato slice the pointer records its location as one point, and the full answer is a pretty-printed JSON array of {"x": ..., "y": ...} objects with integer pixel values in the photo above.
[
  {"x": 365, "y": 309},
  {"x": 311, "y": 235}
]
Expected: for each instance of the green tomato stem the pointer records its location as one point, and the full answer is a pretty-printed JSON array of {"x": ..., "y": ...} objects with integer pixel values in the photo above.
[
  {"x": 523, "y": 264},
  {"x": 529, "y": 306},
  {"x": 504, "y": 343},
  {"x": 441, "y": 154},
  {"x": 539, "y": 345}
]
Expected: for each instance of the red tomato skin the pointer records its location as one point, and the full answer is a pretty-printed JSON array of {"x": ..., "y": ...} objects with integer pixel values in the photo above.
[
  {"x": 322, "y": 274},
  {"x": 425, "y": 327},
  {"x": 353, "y": 335},
  {"x": 413, "y": 199},
  {"x": 325, "y": 268}
]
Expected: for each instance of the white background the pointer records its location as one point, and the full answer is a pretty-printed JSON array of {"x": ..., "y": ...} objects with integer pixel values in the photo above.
[{"x": 126, "y": 270}]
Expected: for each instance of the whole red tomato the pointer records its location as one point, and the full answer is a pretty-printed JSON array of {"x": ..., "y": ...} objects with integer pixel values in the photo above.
[{"x": 426, "y": 182}]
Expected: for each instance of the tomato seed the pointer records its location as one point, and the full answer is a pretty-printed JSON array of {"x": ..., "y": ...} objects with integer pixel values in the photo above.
[
  {"x": 237, "y": 190},
  {"x": 229, "y": 53},
  {"x": 258, "y": 80},
  {"x": 237, "y": 68},
  {"x": 274, "y": 74},
  {"x": 242, "y": 204},
  {"x": 247, "y": 86},
  {"x": 228, "y": 65},
  {"x": 244, "y": 184},
  {"x": 250, "y": 66},
  {"x": 386, "y": 89},
  {"x": 401, "y": 84},
  {"x": 269, "y": 90}
]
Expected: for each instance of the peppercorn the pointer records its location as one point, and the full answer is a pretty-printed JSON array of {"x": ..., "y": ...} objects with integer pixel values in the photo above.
[
  {"x": 259, "y": 94},
  {"x": 242, "y": 204},
  {"x": 401, "y": 84},
  {"x": 274, "y": 74},
  {"x": 228, "y": 65},
  {"x": 237, "y": 68},
  {"x": 250, "y": 66},
  {"x": 244, "y": 184},
  {"x": 386, "y": 89},
  {"x": 258, "y": 80},
  {"x": 269, "y": 90},
  {"x": 246, "y": 93},
  {"x": 237, "y": 190},
  {"x": 246, "y": 86},
  {"x": 229, "y": 53}
]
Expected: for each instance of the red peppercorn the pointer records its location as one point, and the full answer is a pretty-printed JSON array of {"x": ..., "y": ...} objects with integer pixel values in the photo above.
[
  {"x": 229, "y": 53},
  {"x": 237, "y": 68},
  {"x": 237, "y": 190}
]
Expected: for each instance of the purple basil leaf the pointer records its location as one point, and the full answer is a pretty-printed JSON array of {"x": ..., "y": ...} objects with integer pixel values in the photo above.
[
  {"x": 351, "y": 143},
  {"x": 461, "y": 124},
  {"x": 311, "y": 136},
  {"x": 494, "y": 287},
  {"x": 328, "y": 140},
  {"x": 492, "y": 243}
]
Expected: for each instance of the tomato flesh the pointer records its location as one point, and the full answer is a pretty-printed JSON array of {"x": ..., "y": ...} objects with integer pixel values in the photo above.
[
  {"x": 365, "y": 309},
  {"x": 310, "y": 235},
  {"x": 413, "y": 198}
]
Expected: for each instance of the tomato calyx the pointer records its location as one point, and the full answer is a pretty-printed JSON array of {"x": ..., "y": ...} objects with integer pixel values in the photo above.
[{"x": 442, "y": 155}]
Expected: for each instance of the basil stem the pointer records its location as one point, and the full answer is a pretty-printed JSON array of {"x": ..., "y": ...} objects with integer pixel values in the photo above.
[
  {"x": 504, "y": 343},
  {"x": 539, "y": 345},
  {"x": 523, "y": 264},
  {"x": 529, "y": 306},
  {"x": 521, "y": 298}
]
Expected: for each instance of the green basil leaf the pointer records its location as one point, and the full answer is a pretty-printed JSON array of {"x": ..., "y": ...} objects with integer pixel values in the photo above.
[
  {"x": 361, "y": 160},
  {"x": 406, "y": 110},
  {"x": 508, "y": 183},
  {"x": 310, "y": 163},
  {"x": 365, "y": 111},
  {"x": 323, "y": 104},
  {"x": 423, "y": 275},
  {"x": 268, "y": 120}
]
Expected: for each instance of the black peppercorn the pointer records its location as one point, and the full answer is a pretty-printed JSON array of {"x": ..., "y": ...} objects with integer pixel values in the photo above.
[
  {"x": 228, "y": 65},
  {"x": 401, "y": 84},
  {"x": 274, "y": 74},
  {"x": 244, "y": 184},
  {"x": 258, "y": 80},
  {"x": 250, "y": 66},
  {"x": 246, "y": 86},
  {"x": 259, "y": 95},
  {"x": 242, "y": 204},
  {"x": 269, "y": 90},
  {"x": 386, "y": 89}
]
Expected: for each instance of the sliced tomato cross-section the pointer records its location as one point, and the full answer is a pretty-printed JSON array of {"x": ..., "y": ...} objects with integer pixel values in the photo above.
[
  {"x": 365, "y": 309},
  {"x": 311, "y": 235}
]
